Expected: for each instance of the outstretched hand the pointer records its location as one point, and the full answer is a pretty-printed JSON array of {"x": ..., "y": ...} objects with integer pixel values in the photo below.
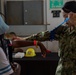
[{"x": 44, "y": 51}]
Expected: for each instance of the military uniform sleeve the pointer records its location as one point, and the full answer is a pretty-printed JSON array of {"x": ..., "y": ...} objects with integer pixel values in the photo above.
[
  {"x": 57, "y": 33},
  {"x": 41, "y": 36},
  {"x": 48, "y": 35}
]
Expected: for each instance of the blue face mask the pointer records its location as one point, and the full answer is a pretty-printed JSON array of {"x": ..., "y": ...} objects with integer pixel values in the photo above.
[{"x": 3, "y": 26}]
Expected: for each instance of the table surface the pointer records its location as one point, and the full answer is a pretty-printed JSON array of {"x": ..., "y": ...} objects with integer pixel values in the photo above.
[
  {"x": 50, "y": 56},
  {"x": 38, "y": 65}
]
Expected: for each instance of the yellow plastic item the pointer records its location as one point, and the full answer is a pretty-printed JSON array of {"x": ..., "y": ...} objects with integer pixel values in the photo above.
[{"x": 30, "y": 52}]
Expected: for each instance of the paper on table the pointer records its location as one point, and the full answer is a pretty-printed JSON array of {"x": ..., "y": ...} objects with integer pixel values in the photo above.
[{"x": 19, "y": 55}]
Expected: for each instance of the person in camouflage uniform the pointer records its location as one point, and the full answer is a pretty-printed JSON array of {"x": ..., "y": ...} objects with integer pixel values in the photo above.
[{"x": 66, "y": 35}]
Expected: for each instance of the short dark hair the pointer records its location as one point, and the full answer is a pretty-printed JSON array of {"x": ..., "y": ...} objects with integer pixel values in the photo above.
[{"x": 13, "y": 33}]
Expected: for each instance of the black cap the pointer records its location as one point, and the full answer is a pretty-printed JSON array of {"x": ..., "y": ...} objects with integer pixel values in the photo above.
[{"x": 69, "y": 6}]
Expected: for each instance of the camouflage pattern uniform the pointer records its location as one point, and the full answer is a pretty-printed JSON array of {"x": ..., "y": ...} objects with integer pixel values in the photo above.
[
  {"x": 41, "y": 36},
  {"x": 67, "y": 44}
]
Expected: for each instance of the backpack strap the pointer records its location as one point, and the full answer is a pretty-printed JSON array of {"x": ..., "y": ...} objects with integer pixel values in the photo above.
[
  {"x": 7, "y": 48},
  {"x": 10, "y": 50},
  {"x": 3, "y": 44}
]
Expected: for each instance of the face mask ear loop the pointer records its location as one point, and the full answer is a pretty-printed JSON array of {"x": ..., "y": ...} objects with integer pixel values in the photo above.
[{"x": 68, "y": 16}]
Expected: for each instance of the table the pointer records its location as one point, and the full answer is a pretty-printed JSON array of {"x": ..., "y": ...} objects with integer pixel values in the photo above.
[{"x": 38, "y": 65}]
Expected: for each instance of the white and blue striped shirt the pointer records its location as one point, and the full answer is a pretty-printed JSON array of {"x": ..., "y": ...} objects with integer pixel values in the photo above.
[{"x": 5, "y": 67}]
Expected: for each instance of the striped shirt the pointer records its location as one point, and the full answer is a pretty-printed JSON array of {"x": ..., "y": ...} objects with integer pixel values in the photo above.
[{"x": 5, "y": 67}]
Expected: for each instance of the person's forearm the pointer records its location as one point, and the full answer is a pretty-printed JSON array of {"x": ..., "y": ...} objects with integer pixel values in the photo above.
[
  {"x": 17, "y": 44},
  {"x": 42, "y": 36}
]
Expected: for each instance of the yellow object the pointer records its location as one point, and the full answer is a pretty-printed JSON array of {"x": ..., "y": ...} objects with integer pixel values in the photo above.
[{"x": 30, "y": 52}]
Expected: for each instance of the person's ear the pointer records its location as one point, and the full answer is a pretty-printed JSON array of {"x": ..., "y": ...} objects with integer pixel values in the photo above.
[
  {"x": 74, "y": 16},
  {"x": 70, "y": 15}
]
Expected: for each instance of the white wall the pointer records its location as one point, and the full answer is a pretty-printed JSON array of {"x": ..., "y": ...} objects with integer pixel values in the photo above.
[
  {"x": 54, "y": 22},
  {"x": 48, "y": 19}
]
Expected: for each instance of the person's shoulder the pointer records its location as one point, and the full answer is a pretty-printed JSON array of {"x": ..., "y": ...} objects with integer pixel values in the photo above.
[{"x": 0, "y": 48}]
